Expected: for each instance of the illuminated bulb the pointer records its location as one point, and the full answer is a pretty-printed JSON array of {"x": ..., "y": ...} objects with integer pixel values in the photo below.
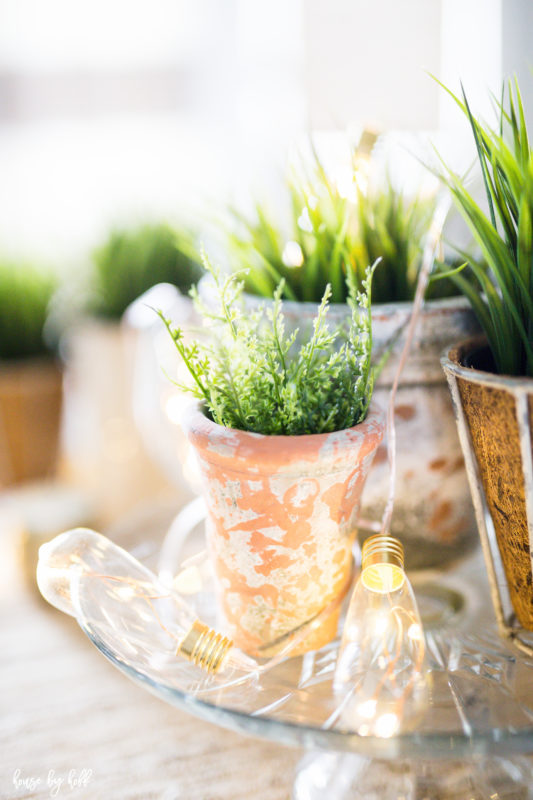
[
  {"x": 380, "y": 676},
  {"x": 292, "y": 255},
  {"x": 84, "y": 574},
  {"x": 175, "y": 406},
  {"x": 346, "y": 186},
  {"x": 304, "y": 221}
]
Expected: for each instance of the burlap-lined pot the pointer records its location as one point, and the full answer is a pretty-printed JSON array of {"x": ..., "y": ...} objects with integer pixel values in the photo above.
[
  {"x": 30, "y": 409},
  {"x": 495, "y": 418}
]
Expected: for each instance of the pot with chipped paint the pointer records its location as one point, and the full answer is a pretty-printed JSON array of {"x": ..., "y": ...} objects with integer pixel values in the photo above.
[
  {"x": 281, "y": 523},
  {"x": 433, "y": 513}
]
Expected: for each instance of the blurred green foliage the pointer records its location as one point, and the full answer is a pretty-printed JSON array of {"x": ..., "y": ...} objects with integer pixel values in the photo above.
[
  {"x": 25, "y": 294},
  {"x": 132, "y": 260}
]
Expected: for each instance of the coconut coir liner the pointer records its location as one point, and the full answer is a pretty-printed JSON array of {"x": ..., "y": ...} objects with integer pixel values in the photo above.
[{"x": 491, "y": 417}]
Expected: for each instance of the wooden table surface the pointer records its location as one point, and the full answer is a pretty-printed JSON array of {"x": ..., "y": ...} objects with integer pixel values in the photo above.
[{"x": 73, "y": 726}]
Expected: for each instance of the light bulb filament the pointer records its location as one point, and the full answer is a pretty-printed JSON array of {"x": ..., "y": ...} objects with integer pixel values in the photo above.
[{"x": 383, "y": 578}]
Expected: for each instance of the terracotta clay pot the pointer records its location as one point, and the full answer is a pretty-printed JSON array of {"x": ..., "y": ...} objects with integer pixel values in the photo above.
[
  {"x": 498, "y": 412},
  {"x": 30, "y": 409},
  {"x": 281, "y": 523}
]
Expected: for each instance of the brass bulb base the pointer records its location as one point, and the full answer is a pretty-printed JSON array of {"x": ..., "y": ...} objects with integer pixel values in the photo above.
[
  {"x": 381, "y": 549},
  {"x": 204, "y": 647},
  {"x": 382, "y": 564}
]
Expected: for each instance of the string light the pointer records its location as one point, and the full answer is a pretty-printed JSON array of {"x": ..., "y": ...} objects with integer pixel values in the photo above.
[
  {"x": 380, "y": 676},
  {"x": 84, "y": 574},
  {"x": 380, "y": 673},
  {"x": 87, "y": 576}
]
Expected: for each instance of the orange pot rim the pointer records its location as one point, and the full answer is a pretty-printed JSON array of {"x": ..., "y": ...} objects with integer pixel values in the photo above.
[{"x": 231, "y": 447}]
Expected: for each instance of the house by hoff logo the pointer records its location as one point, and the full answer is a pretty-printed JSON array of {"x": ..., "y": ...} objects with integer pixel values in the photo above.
[{"x": 55, "y": 782}]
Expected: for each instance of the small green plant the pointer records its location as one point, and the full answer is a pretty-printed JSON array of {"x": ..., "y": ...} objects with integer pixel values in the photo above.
[
  {"x": 331, "y": 235},
  {"x": 131, "y": 261},
  {"x": 252, "y": 376},
  {"x": 502, "y": 293},
  {"x": 25, "y": 294}
]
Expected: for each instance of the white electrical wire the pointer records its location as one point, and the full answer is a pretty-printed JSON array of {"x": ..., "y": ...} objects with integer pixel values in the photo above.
[{"x": 432, "y": 242}]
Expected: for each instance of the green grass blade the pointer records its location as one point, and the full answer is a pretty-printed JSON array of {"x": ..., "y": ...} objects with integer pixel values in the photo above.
[{"x": 481, "y": 156}]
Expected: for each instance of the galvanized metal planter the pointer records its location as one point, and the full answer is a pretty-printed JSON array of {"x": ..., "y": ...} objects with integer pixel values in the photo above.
[{"x": 494, "y": 418}]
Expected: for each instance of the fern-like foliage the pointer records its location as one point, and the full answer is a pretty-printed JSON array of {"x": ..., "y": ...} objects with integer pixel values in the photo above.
[{"x": 253, "y": 376}]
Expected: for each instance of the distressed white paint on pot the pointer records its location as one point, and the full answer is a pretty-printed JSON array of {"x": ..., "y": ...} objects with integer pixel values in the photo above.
[{"x": 282, "y": 514}]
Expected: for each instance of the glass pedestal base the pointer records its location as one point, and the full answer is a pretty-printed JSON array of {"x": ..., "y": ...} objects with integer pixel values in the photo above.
[
  {"x": 469, "y": 744},
  {"x": 438, "y": 604},
  {"x": 348, "y": 776}
]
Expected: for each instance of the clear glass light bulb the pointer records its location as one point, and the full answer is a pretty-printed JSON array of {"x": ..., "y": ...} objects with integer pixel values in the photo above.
[
  {"x": 380, "y": 674},
  {"x": 86, "y": 575}
]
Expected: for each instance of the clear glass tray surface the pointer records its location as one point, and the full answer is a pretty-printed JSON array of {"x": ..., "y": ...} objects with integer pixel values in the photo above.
[{"x": 481, "y": 699}]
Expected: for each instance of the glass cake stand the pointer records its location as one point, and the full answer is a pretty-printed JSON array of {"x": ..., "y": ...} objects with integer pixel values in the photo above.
[{"x": 471, "y": 744}]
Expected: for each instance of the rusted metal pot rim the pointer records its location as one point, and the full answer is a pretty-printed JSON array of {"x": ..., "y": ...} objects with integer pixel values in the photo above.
[{"x": 451, "y": 362}]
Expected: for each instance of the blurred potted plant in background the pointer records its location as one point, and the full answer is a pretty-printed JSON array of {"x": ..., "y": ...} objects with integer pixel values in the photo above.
[
  {"x": 30, "y": 376},
  {"x": 132, "y": 260},
  {"x": 492, "y": 379},
  {"x": 284, "y": 439},
  {"x": 337, "y": 227},
  {"x": 102, "y": 446}
]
